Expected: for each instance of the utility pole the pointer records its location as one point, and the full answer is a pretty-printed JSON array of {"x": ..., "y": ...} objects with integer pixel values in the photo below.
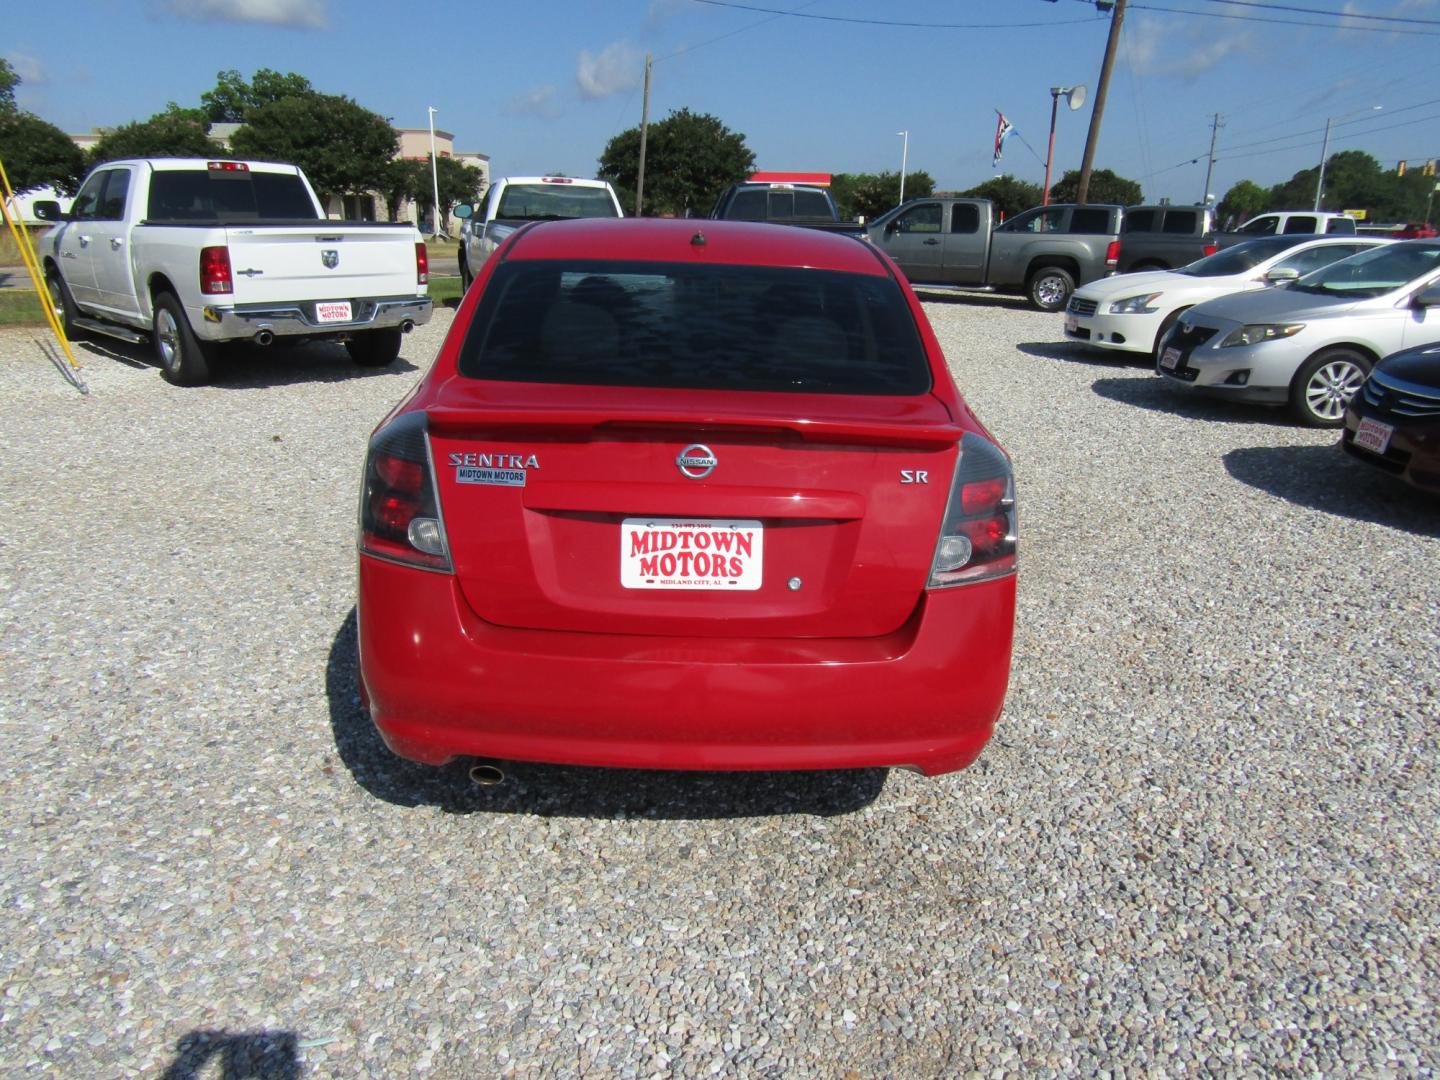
[
  {"x": 1215, "y": 127},
  {"x": 644, "y": 131},
  {"x": 1117, "y": 17}
]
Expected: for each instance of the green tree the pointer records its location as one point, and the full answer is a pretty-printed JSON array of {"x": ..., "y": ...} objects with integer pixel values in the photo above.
[
  {"x": 37, "y": 153},
  {"x": 869, "y": 195},
  {"x": 8, "y": 81},
  {"x": 232, "y": 98},
  {"x": 402, "y": 181},
  {"x": 1242, "y": 202},
  {"x": 1105, "y": 187},
  {"x": 343, "y": 147},
  {"x": 1009, "y": 194},
  {"x": 689, "y": 160},
  {"x": 176, "y": 132}
]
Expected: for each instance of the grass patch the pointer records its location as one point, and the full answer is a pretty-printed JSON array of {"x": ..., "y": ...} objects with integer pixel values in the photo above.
[
  {"x": 9, "y": 253},
  {"x": 445, "y": 290},
  {"x": 21, "y": 307}
]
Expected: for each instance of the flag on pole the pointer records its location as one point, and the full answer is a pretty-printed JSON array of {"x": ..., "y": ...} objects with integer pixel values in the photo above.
[{"x": 1003, "y": 130}]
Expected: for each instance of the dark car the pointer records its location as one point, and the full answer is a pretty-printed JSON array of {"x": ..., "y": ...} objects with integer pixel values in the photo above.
[{"x": 1394, "y": 421}]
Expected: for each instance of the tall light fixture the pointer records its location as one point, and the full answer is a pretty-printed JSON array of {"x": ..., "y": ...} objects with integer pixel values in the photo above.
[
  {"x": 434, "y": 178},
  {"x": 904, "y": 158},
  {"x": 1325, "y": 149}
]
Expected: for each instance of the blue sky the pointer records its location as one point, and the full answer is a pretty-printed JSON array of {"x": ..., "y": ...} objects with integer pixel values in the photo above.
[{"x": 542, "y": 86}]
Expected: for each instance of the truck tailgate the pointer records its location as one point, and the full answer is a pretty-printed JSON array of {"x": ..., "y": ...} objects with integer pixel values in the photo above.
[{"x": 273, "y": 264}]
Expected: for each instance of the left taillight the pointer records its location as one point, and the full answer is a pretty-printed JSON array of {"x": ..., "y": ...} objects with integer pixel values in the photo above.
[
  {"x": 399, "y": 514},
  {"x": 978, "y": 537},
  {"x": 215, "y": 276},
  {"x": 1112, "y": 253},
  {"x": 422, "y": 265}
]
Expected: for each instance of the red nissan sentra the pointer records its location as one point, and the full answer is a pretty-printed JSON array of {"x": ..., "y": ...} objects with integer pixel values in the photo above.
[{"x": 687, "y": 495}]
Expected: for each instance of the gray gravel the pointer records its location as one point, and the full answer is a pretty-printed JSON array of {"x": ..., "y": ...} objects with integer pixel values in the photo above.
[{"x": 1203, "y": 841}]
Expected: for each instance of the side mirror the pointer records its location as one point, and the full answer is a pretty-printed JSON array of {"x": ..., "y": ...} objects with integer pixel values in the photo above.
[
  {"x": 1282, "y": 275},
  {"x": 1427, "y": 297},
  {"x": 47, "y": 210},
  {"x": 463, "y": 210}
]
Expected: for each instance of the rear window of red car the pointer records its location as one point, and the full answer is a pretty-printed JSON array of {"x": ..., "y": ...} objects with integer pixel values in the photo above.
[{"x": 695, "y": 326}]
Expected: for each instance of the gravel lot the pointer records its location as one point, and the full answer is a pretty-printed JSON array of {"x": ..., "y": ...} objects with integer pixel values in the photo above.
[{"x": 1203, "y": 841}]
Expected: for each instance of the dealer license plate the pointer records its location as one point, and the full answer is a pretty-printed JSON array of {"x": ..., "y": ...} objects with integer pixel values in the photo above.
[
  {"x": 1373, "y": 435},
  {"x": 671, "y": 553},
  {"x": 332, "y": 311},
  {"x": 1170, "y": 358},
  {"x": 1071, "y": 324}
]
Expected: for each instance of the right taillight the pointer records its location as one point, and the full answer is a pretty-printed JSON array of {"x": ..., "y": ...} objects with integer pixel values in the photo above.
[
  {"x": 1210, "y": 249},
  {"x": 422, "y": 265},
  {"x": 978, "y": 535},
  {"x": 399, "y": 513}
]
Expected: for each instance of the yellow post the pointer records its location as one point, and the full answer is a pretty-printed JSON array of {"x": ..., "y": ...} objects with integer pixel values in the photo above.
[{"x": 32, "y": 267}]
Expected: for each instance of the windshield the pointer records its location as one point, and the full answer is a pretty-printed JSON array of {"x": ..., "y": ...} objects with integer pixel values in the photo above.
[
  {"x": 1373, "y": 273},
  {"x": 1237, "y": 259},
  {"x": 695, "y": 326},
  {"x": 550, "y": 202}
]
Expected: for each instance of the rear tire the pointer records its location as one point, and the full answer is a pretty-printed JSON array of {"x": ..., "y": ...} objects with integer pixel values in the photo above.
[
  {"x": 1324, "y": 385},
  {"x": 465, "y": 275},
  {"x": 184, "y": 359},
  {"x": 1049, "y": 288},
  {"x": 62, "y": 301},
  {"x": 374, "y": 348}
]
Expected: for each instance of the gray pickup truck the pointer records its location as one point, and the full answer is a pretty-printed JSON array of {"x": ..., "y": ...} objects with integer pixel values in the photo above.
[
  {"x": 783, "y": 204},
  {"x": 1164, "y": 237},
  {"x": 1043, "y": 253}
]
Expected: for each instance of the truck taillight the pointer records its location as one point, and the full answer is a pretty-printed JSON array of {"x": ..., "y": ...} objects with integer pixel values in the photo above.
[
  {"x": 1112, "y": 253},
  {"x": 399, "y": 513},
  {"x": 215, "y": 276},
  {"x": 422, "y": 265},
  {"x": 1210, "y": 249},
  {"x": 978, "y": 535}
]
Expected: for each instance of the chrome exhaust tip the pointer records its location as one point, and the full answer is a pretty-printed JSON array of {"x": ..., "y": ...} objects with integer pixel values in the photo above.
[
  {"x": 487, "y": 775},
  {"x": 407, "y": 326},
  {"x": 264, "y": 337}
]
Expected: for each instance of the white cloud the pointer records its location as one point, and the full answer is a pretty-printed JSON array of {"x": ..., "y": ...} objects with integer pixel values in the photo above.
[
  {"x": 540, "y": 101},
  {"x": 28, "y": 68},
  {"x": 1154, "y": 47},
  {"x": 618, "y": 69},
  {"x": 297, "y": 14}
]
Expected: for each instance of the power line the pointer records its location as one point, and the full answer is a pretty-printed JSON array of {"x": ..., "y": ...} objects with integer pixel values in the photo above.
[
  {"x": 1320, "y": 11},
  {"x": 1263, "y": 19},
  {"x": 893, "y": 22}
]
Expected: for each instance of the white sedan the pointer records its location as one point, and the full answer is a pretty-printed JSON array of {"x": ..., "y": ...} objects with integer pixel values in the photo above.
[{"x": 1132, "y": 312}]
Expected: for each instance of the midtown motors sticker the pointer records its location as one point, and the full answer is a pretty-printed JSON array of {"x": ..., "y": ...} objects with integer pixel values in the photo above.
[
  {"x": 502, "y": 470},
  {"x": 666, "y": 553}
]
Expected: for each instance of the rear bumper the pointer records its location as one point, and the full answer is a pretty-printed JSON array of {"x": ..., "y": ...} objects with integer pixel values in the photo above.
[
  {"x": 440, "y": 682},
  {"x": 298, "y": 319}
]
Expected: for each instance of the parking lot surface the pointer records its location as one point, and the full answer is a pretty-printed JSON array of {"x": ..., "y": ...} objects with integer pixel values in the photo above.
[{"x": 1203, "y": 840}]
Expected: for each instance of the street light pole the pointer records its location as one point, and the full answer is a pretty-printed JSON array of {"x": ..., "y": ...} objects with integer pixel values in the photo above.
[
  {"x": 1055, "y": 92},
  {"x": 1325, "y": 150},
  {"x": 904, "y": 158},
  {"x": 434, "y": 178}
]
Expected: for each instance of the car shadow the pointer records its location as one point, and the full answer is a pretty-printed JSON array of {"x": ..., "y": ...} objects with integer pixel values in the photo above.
[
  {"x": 1327, "y": 479},
  {"x": 1076, "y": 353},
  {"x": 1157, "y": 395},
  {"x": 242, "y": 366},
  {"x": 975, "y": 299},
  {"x": 247, "y": 1055},
  {"x": 574, "y": 791}
]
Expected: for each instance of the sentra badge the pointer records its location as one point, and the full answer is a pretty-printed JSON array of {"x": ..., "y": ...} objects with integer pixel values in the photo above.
[{"x": 502, "y": 470}]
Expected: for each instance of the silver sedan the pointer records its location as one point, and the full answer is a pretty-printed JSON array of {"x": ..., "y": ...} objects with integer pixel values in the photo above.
[{"x": 1309, "y": 345}]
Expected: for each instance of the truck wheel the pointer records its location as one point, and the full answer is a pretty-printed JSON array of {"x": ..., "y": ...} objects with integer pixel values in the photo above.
[
  {"x": 1324, "y": 385},
  {"x": 184, "y": 359},
  {"x": 374, "y": 348},
  {"x": 62, "y": 301},
  {"x": 465, "y": 277},
  {"x": 1050, "y": 288}
]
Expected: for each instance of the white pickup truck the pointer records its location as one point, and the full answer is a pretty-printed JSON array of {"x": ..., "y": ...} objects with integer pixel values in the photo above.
[
  {"x": 193, "y": 253},
  {"x": 513, "y": 201}
]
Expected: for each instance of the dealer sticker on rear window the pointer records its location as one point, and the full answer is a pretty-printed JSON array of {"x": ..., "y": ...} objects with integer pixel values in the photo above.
[{"x": 669, "y": 553}]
